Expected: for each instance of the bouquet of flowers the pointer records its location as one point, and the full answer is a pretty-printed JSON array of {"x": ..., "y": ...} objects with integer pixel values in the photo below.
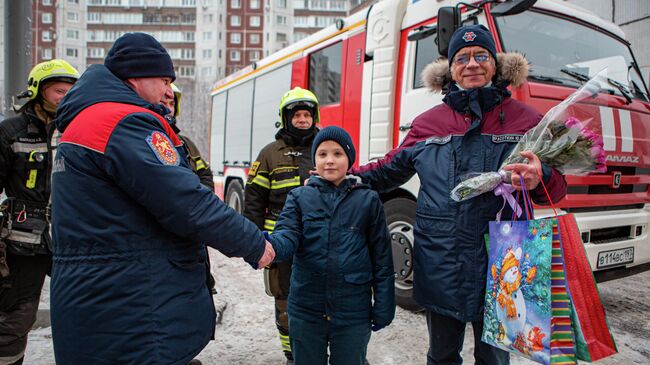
[{"x": 560, "y": 140}]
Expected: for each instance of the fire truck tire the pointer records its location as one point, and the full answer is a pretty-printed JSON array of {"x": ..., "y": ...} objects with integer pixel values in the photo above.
[
  {"x": 400, "y": 217},
  {"x": 235, "y": 196}
]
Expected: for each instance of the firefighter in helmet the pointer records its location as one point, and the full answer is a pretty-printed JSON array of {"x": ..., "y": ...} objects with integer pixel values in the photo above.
[
  {"x": 281, "y": 166},
  {"x": 28, "y": 143}
]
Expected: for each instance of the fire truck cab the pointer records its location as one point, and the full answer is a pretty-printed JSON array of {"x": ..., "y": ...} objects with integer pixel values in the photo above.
[{"x": 365, "y": 71}]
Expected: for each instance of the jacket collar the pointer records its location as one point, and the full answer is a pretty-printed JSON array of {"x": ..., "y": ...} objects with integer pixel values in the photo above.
[
  {"x": 349, "y": 183},
  {"x": 476, "y": 101}
]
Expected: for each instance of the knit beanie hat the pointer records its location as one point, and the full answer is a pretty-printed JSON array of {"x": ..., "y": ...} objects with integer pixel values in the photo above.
[
  {"x": 139, "y": 55},
  {"x": 468, "y": 36},
  {"x": 338, "y": 135}
]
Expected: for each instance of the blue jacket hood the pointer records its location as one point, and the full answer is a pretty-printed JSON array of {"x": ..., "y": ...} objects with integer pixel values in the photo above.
[{"x": 97, "y": 85}]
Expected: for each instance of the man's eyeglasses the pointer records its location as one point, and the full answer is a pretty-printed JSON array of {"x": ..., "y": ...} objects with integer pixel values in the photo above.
[{"x": 463, "y": 59}]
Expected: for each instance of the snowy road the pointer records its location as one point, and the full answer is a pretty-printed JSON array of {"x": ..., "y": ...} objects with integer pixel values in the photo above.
[{"x": 247, "y": 334}]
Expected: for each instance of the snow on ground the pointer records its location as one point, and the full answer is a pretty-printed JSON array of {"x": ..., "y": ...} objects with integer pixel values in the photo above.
[{"x": 247, "y": 334}]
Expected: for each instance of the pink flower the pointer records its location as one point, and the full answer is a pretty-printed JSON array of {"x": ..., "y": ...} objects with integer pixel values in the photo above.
[{"x": 572, "y": 122}]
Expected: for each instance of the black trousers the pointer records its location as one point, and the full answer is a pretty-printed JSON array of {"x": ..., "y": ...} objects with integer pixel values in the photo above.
[
  {"x": 446, "y": 335},
  {"x": 20, "y": 293}
]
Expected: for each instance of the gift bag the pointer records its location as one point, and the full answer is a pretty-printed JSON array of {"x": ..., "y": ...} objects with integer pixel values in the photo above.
[
  {"x": 527, "y": 307},
  {"x": 541, "y": 299},
  {"x": 592, "y": 336}
]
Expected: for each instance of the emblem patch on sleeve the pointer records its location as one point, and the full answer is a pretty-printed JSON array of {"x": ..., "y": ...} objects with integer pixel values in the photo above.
[
  {"x": 163, "y": 148},
  {"x": 253, "y": 169}
]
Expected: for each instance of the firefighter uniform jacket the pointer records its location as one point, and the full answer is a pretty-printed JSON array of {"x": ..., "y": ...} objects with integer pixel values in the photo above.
[
  {"x": 280, "y": 167},
  {"x": 25, "y": 164}
]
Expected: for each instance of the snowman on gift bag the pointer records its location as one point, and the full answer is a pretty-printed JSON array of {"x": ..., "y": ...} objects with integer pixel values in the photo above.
[
  {"x": 511, "y": 306},
  {"x": 514, "y": 329}
]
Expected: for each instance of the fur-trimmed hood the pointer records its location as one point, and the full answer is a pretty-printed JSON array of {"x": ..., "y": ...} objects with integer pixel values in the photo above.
[{"x": 512, "y": 67}]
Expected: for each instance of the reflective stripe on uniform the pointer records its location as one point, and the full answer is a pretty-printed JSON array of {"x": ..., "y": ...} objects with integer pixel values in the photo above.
[
  {"x": 261, "y": 181},
  {"x": 269, "y": 225},
  {"x": 294, "y": 181},
  {"x": 200, "y": 165},
  {"x": 29, "y": 147},
  {"x": 286, "y": 343}
]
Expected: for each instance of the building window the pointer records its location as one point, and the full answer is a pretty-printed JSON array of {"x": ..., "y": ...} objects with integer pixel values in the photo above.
[
  {"x": 282, "y": 4},
  {"x": 280, "y": 37},
  {"x": 235, "y": 21},
  {"x": 207, "y": 36},
  {"x": 72, "y": 52},
  {"x": 235, "y": 4},
  {"x": 73, "y": 16},
  {"x": 281, "y": 20},
  {"x": 325, "y": 74},
  {"x": 254, "y": 38},
  {"x": 113, "y": 2},
  {"x": 254, "y": 21},
  {"x": 189, "y": 3},
  {"x": 207, "y": 18},
  {"x": 72, "y": 34},
  {"x": 219, "y": 53},
  {"x": 94, "y": 2},
  {"x": 46, "y": 36},
  {"x": 47, "y": 2},
  {"x": 186, "y": 71},
  {"x": 235, "y": 38},
  {"x": 187, "y": 53},
  {"x": 46, "y": 18},
  {"x": 46, "y": 53},
  {"x": 188, "y": 36},
  {"x": 235, "y": 56},
  {"x": 299, "y": 4},
  {"x": 254, "y": 55},
  {"x": 207, "y": 54},
  {"x": 94, "y": 52},
  {"x": 94, "y": 17},
  {"x": 255, "y": 4},
  {"x": 301, "y": 21}
]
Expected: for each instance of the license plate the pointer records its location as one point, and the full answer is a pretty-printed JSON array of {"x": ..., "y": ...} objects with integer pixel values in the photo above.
[{"x": 615, "y": 257}]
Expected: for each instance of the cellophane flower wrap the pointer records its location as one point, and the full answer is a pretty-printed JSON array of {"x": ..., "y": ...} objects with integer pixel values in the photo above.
[{"x": 563, "y": 139}]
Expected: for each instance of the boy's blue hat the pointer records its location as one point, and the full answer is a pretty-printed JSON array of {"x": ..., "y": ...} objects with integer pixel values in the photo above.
[
  {"x": 139, "y": 55},
  {"x": 338, "y": 135},
  {"x": 468, "y": 36}
]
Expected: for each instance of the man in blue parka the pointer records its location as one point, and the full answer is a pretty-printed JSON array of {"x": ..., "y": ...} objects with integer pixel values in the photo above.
[
  {"x": 474, "y": 130},
  {"x": 129, "y": 218}
]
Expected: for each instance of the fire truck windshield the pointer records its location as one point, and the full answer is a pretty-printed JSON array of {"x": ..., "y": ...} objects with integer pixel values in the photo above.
[{"x": 553, "y": 44}]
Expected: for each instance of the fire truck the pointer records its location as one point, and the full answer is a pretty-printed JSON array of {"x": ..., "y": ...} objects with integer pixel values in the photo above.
[{"x": 365, "y": 71}]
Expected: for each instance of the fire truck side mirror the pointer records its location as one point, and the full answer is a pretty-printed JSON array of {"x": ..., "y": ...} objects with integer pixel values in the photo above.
[
  {"x": 448, "y": 21},
  {"x": 511, "y": 7}
]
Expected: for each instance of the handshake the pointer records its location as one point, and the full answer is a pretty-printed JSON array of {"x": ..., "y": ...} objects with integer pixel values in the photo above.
[{"x": 269, "y": 253}]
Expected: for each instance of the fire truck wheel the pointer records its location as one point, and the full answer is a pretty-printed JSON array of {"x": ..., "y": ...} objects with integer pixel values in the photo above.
[
  {"x": 235, "y": 196},
  {"x": 400, "y": 217}
]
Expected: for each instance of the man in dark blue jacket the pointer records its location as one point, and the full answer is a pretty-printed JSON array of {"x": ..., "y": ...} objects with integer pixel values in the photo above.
[
  {"x": 474, "y": 130},
  {"x": 130, "y": 218}
]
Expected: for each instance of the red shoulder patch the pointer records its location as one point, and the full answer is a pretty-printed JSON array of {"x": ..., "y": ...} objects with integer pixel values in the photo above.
[{"x": 163, "y": 148}]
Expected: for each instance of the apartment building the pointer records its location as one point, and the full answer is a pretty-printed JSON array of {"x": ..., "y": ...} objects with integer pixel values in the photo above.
[
  {"x": 244, "y": 32},
  {"x": 44, "y": 28}
]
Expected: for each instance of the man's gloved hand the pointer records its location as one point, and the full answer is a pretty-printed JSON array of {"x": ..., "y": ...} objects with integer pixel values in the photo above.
[{"x": 376, "y": 327}]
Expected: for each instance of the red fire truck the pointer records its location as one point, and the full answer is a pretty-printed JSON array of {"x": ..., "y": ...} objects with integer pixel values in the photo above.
[{"x": 365, "y": 70}]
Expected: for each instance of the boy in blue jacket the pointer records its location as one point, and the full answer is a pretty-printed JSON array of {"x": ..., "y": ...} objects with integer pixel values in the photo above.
[{"x": 342, "y": 277}]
